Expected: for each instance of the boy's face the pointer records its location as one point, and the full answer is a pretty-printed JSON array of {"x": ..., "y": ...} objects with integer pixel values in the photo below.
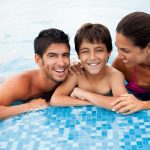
[
  {"x": 93, "y": 56},
  {"x": 55, "y": 62}
]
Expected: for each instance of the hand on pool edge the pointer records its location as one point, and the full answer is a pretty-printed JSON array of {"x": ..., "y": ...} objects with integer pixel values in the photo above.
[
  {"x": 37, "y": 104},
  {"x": 127, "y": 104}
]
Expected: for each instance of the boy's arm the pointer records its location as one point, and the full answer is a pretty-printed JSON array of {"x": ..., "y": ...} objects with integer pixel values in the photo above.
[
  {"x": 61, "y": 95},
  {"x": 116, "y": 85},
  {"x": 94, "y": 98}
]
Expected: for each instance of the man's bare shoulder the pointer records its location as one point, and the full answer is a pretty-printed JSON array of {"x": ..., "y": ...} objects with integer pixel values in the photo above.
[
  {"x": 20, "y": 78},
  {"x": 17, "y": 86}
]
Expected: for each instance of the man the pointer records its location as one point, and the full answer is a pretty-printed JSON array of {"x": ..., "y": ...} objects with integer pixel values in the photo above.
[{"x": 52, "y": 55}]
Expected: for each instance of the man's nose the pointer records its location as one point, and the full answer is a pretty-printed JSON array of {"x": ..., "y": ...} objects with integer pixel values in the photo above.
[{"x": 61, "y": 61}]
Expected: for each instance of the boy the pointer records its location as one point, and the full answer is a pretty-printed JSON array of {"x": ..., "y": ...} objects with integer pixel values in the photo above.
[{"x": 93, "y": 45}]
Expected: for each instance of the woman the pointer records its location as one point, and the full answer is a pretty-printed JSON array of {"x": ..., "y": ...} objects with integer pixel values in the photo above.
[{"x": 133, "y": 60}]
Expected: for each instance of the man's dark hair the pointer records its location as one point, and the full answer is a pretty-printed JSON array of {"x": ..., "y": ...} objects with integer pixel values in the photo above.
[{"x": 48, "y": 37}]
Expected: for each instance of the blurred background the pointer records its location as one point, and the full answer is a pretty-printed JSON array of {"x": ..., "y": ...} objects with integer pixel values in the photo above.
[{"x": 22, "y": 20}]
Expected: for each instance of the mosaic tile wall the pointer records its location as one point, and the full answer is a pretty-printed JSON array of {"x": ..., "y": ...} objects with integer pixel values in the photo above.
[{"x": 76, "y": 128}]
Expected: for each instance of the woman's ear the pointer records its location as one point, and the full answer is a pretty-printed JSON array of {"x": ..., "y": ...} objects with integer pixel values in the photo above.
[{"x": 38, "y": 60}]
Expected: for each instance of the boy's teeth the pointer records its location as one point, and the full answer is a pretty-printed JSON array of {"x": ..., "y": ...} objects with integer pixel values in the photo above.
[{"x": 92, "y": 64}]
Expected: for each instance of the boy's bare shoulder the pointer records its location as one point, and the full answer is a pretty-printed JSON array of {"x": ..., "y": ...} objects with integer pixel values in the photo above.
[{"x": 114, "y": 72}]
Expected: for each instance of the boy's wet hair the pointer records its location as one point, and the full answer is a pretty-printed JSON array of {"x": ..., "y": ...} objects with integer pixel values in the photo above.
[
  {"x": 93, "y": 33},
  {"x": 136, "y": 27},
  {"x": 48, "y": 37}
]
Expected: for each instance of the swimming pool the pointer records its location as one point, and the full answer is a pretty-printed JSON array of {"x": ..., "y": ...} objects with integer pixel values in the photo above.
[
  {"x": 64, "y": 128},
  {"x": 76, "y": 128}
]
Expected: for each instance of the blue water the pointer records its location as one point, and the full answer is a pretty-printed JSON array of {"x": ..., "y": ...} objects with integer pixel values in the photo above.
[
  {"x": 22, "y": 20},
  {"x": 64, "y": 128}
]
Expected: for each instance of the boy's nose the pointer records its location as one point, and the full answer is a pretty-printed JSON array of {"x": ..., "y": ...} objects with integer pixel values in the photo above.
[{"x": 92, "y": 56}]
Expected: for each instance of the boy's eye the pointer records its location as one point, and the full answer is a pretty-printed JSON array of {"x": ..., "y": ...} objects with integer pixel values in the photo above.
[
  {"x": 84, "y": 51},
  {"x": 99, "y": 50}
]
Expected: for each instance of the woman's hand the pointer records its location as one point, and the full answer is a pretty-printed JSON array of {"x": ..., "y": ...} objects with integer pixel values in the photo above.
[{"x": 128, "y": 104}]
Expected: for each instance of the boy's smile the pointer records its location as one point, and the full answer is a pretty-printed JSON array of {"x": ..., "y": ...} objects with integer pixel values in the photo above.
[{"x": 93, "y": 56}]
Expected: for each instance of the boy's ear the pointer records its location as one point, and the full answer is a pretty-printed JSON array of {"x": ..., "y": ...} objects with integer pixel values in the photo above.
[
  {"x": 38, "y": 60},
  {"x": 148, "y": 45}
]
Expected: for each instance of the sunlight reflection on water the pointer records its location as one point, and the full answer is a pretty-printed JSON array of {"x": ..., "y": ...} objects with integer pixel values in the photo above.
[{"x": 21, "y": 21}]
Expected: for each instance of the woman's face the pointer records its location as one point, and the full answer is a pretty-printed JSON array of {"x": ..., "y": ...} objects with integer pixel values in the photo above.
[{"x": 129, "y": 53}]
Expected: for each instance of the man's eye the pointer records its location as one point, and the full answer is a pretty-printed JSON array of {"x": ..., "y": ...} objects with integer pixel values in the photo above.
[
  {"x": 66, "y": 55},
  {"x": 51, "y": 56}
]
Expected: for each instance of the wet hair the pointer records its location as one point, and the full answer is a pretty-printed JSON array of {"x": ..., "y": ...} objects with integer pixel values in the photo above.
[
  {"x": 93, "y": 33},
  {"x": 48, "y": 37},
  {"x": 136, "y": 27}
]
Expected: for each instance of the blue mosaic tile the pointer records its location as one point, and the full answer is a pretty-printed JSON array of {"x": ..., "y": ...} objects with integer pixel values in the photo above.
[{"x": 76, "y": 128}]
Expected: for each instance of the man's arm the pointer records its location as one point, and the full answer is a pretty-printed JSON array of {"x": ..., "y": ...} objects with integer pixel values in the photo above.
[
  {"x": 16, "y": 88},
  {"x": 61, "y": 95}
]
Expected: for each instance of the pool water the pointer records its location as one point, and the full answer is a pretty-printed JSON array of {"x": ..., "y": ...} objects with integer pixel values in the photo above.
[
  {"x": 65, "y": 128},
  {"x": 76, "y": 128}
]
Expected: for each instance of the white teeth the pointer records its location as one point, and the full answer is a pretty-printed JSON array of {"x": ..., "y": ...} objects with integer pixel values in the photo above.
[
  {"x": 59, "y": 70},
  {"x": 125, "y": 61},
  {"x": 93, "y": 65}
]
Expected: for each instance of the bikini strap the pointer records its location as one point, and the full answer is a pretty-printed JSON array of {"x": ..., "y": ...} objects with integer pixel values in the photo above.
[{"x": 133, "y": 74}]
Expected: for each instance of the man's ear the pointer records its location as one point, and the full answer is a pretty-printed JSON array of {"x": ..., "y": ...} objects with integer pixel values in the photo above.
[
  {"x": 148, "y": 48},
  {"x": 38, "y": 60}
]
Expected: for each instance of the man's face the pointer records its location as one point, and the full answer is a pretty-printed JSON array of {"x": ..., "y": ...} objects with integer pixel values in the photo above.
[{"x": 55, "y": 62}]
